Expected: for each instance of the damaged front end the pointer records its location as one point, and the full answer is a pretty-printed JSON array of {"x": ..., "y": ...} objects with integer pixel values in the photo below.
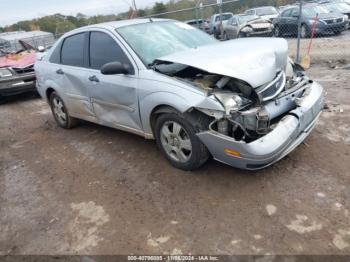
[{"x": 259, "y": 125}]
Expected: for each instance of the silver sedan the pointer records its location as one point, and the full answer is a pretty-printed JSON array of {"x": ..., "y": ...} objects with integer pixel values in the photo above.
[{"x": 243, "y": 102}]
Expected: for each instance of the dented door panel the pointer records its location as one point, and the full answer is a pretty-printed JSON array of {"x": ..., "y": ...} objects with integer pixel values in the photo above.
[
  {"x": 75, "y": 85},
  {"x": 114, "y": 99}
]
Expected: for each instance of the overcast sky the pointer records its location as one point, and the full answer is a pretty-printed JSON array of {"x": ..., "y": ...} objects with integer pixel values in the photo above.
[{"x": 16, "y": 10}]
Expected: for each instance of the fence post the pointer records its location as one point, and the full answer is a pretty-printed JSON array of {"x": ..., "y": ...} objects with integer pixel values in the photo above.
[
  {"x": 197, "y": 22},
  {"x": 221, "y": 25},
  {"x": 297, "y": 59}
]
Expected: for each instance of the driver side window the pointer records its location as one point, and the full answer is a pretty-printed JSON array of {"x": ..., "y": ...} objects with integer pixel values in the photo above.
[{"x": 104, "y": 49}]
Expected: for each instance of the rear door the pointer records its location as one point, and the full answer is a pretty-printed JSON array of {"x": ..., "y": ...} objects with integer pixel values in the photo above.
[
  {"x": 233, "y": 28},
  {"x": 114, "y": 97},
  {"x": 73, "y": 75}
]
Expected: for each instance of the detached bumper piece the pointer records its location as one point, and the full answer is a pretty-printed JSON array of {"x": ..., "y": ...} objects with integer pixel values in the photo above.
[
  {"x": 289, "y": 132},
  {"x": 17, "y": 84}
]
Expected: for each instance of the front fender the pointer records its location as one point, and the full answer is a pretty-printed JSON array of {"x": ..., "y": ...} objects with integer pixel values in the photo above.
[{"x": 179, "y": 102}]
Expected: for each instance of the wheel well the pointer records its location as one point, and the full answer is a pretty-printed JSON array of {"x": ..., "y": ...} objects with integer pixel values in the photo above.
[
  {"x": 157, "y": 111},
  {"x": 193, "y": 115},
  {"x": 49, "y": 91}
]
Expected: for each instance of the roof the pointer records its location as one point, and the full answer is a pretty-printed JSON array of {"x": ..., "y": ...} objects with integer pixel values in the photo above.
[
  {"x": 260, "y": 7},
  {"x": 122, "y": 23},
  {"x": 10, "y": 36}
]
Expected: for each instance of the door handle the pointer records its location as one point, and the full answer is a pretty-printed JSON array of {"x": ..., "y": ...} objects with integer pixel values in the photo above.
[
  {"x": 94, "y": 79},
  {"x": 60, "y": 72}
]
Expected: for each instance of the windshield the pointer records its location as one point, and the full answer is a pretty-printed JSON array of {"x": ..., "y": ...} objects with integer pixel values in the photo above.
[
  {"x": 247, "y": 18},
  {"x": 337, "y": 7},
  {"x": 314, "y": 10},
  {"x": 224, "y": 17},
  {"x": 156, "y": 39},
  {"x": 266, "y": 11}
]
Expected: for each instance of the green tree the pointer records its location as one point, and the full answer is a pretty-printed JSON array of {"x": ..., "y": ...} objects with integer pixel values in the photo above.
[
  {"x": 64, "y": 26},
  {"x": 158, "y": 8},
  {"x": 141, "y": 12}
]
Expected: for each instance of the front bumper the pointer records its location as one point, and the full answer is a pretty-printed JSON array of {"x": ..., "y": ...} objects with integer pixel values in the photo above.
[
  {"x": 266, "y": 32},
  {"x": 285, "y": 137},
  {"x": 331, "y": 28},
  {"x": 17, "y": 84}
]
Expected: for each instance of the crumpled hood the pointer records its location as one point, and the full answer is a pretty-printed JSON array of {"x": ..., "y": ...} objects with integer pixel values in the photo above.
[
  {"x": 23, "y": 59},
  {"x": 253, "y": 60}
]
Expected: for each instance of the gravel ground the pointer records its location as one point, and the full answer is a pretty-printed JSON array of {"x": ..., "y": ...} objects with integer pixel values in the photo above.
[
  {"x": 324, "y": 48},
  {"x": 95, "y": 190}
]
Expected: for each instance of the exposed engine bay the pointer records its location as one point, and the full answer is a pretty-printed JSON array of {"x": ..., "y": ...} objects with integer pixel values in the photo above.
[{"x": 250, "y": 113}]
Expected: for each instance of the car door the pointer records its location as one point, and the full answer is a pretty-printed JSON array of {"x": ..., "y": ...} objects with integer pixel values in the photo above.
[
  {"x": 293, "y": 20},
  {"x": 233, "y": 28},
  {"x": 228, "y": 28},
  {"x": 283, "y": 22},
  {"x": 72, "y": 76},
  {"x": 113, "y": 97}
]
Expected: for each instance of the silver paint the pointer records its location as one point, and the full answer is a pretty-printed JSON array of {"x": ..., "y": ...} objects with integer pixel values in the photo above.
[{"x": 127, "y": 102}]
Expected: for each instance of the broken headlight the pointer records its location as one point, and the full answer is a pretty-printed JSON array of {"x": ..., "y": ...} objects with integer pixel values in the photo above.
[
  {"x": 4, "y": 72},
  {"x": 232, "y": 102}
]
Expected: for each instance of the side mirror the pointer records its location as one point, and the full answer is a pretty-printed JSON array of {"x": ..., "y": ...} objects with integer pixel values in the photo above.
[
  {"x": 41, "y": 49},
  {"x": 115, "y": 68}
]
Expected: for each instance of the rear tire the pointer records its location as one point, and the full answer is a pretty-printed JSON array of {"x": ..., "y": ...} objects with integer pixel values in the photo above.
[
  {"x": 177, "y": 140},
  {"x": 241, "y": 35},
  {"x": 60, "y": 112}
]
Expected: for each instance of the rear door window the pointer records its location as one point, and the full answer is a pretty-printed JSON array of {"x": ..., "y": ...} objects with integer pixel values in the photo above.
[
  {"x": 104, "y": 49},
  {"x": 73, "y": 50},
  {"x": 287, "y": 13}
]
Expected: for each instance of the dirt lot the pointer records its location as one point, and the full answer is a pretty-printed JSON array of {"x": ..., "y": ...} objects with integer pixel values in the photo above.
[
  {"x": 323, "y": 47},
  {"x": 95, "y": 190}
]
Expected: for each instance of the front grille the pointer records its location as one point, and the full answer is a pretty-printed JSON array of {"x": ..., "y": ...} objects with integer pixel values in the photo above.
[
  {"x": 274, "y": 88},
  {"x": 24, "y": 70},
  {"x": 333, "y": 21}
]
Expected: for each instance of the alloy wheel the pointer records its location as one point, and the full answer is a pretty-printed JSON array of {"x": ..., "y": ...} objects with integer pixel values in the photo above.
[
  {"x": 303, "y": 32},
  {"x": 175, "y": 141},
  {"x": 59, "y": 110}
]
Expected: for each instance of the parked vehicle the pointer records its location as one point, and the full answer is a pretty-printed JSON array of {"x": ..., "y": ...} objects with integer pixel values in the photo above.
[
  {"x": 200, "y": 24},
  {"x": 265, "y": 12},
  {"x": 248, "y": 106},
  {"x": 326, "y": 22},
  {"x": 17, "y": 70},
  {"x": 215, "y": 23},
  {"x": 247, "y": 25}
]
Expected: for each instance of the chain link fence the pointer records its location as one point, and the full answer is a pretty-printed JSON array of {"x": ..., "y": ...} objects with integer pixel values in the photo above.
[
  {"x": 319, "y": 30},
  {"x": 309, "y": 28}
]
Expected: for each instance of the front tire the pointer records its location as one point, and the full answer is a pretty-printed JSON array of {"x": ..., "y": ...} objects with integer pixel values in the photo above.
[
  {"x": 177, "y": 140},
  {"x": 60, "y": 112},
  {"x": 277, "y": 31},
  {"x": 304, "y": 32}
]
